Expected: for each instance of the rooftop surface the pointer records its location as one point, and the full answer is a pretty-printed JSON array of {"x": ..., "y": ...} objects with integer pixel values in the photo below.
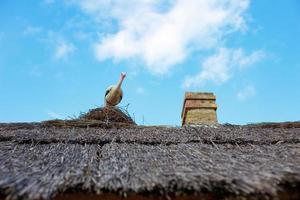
[{"x": 42, "y": 161}]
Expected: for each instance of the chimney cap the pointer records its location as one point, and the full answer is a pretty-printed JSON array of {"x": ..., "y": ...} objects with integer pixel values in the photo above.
[{"x": 200, "y": 95}]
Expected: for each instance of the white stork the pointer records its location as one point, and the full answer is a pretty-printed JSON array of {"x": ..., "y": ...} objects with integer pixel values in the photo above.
[{"x": 114, "y": 94}]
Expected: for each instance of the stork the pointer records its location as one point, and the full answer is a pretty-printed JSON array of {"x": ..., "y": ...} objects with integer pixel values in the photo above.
[{"x": 114, "y": 94}]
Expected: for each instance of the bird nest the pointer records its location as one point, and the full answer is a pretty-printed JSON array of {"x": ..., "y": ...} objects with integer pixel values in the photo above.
[
  {"x": 104, "y": 117},
  {"x": 108, "y": 114}
]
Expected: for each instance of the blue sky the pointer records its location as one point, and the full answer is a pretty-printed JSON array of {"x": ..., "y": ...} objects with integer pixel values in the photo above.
[{"x": 58, "y": 57}]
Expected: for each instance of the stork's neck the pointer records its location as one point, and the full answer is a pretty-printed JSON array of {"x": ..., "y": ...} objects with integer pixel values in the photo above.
[{"x": 120, "y": 82}]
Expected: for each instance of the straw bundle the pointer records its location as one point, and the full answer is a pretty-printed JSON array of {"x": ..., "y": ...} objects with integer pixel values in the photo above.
[{"x": 105, "y": 117}]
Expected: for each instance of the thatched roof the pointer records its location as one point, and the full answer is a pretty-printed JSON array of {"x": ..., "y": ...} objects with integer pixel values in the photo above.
[{"x": 40, "y": 160}]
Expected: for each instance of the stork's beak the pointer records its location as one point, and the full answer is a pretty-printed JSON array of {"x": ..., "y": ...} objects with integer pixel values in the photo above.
[{"x": 123, "y": 75}]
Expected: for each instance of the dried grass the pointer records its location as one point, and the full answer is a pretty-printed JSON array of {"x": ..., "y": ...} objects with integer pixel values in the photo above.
[{"x": 105, "y": 117}]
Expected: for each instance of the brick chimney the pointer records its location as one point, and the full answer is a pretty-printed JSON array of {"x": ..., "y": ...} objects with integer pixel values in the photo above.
[{"x": 199, "y": 108}]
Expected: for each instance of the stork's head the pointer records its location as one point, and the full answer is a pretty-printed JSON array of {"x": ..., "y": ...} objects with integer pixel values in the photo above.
[{"x": 123, "y": 75}]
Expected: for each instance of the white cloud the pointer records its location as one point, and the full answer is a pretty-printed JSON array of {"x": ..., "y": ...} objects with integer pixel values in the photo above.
[
  {"x": 163, "y": 33},
  {"x": 54, "y": 115},
  {"x": 35, "y": 71},
  {"x": 254, "y": 57},
  {"x": 1, "y": 35},
  {"x": 63, "y": 50},
  {"x": 48, "y": 2},
  {"x": 32, "y": 30},
  {"x": 141, "y": 91},
  {"x": 246, "y": 93},
  {"x": 220, "y": 67}
]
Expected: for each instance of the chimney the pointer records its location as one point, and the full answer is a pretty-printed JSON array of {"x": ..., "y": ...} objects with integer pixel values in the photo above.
[{"x": 199, "y": 108}]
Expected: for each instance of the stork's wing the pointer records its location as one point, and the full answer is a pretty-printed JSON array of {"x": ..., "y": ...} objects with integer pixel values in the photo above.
[
  {"x": 121, "y": 96},
  {"x": 107, "y": 91}
]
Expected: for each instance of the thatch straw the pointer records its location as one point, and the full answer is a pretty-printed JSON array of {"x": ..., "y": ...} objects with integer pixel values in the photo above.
[
  {"x": 276, "y": 125},
  {"x": 39, "y": 161},
  {"x": 24, "y": 133}
]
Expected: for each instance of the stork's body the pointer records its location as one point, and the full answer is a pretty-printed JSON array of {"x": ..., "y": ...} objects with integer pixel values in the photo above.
[{"x": 114, "y": 94}]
